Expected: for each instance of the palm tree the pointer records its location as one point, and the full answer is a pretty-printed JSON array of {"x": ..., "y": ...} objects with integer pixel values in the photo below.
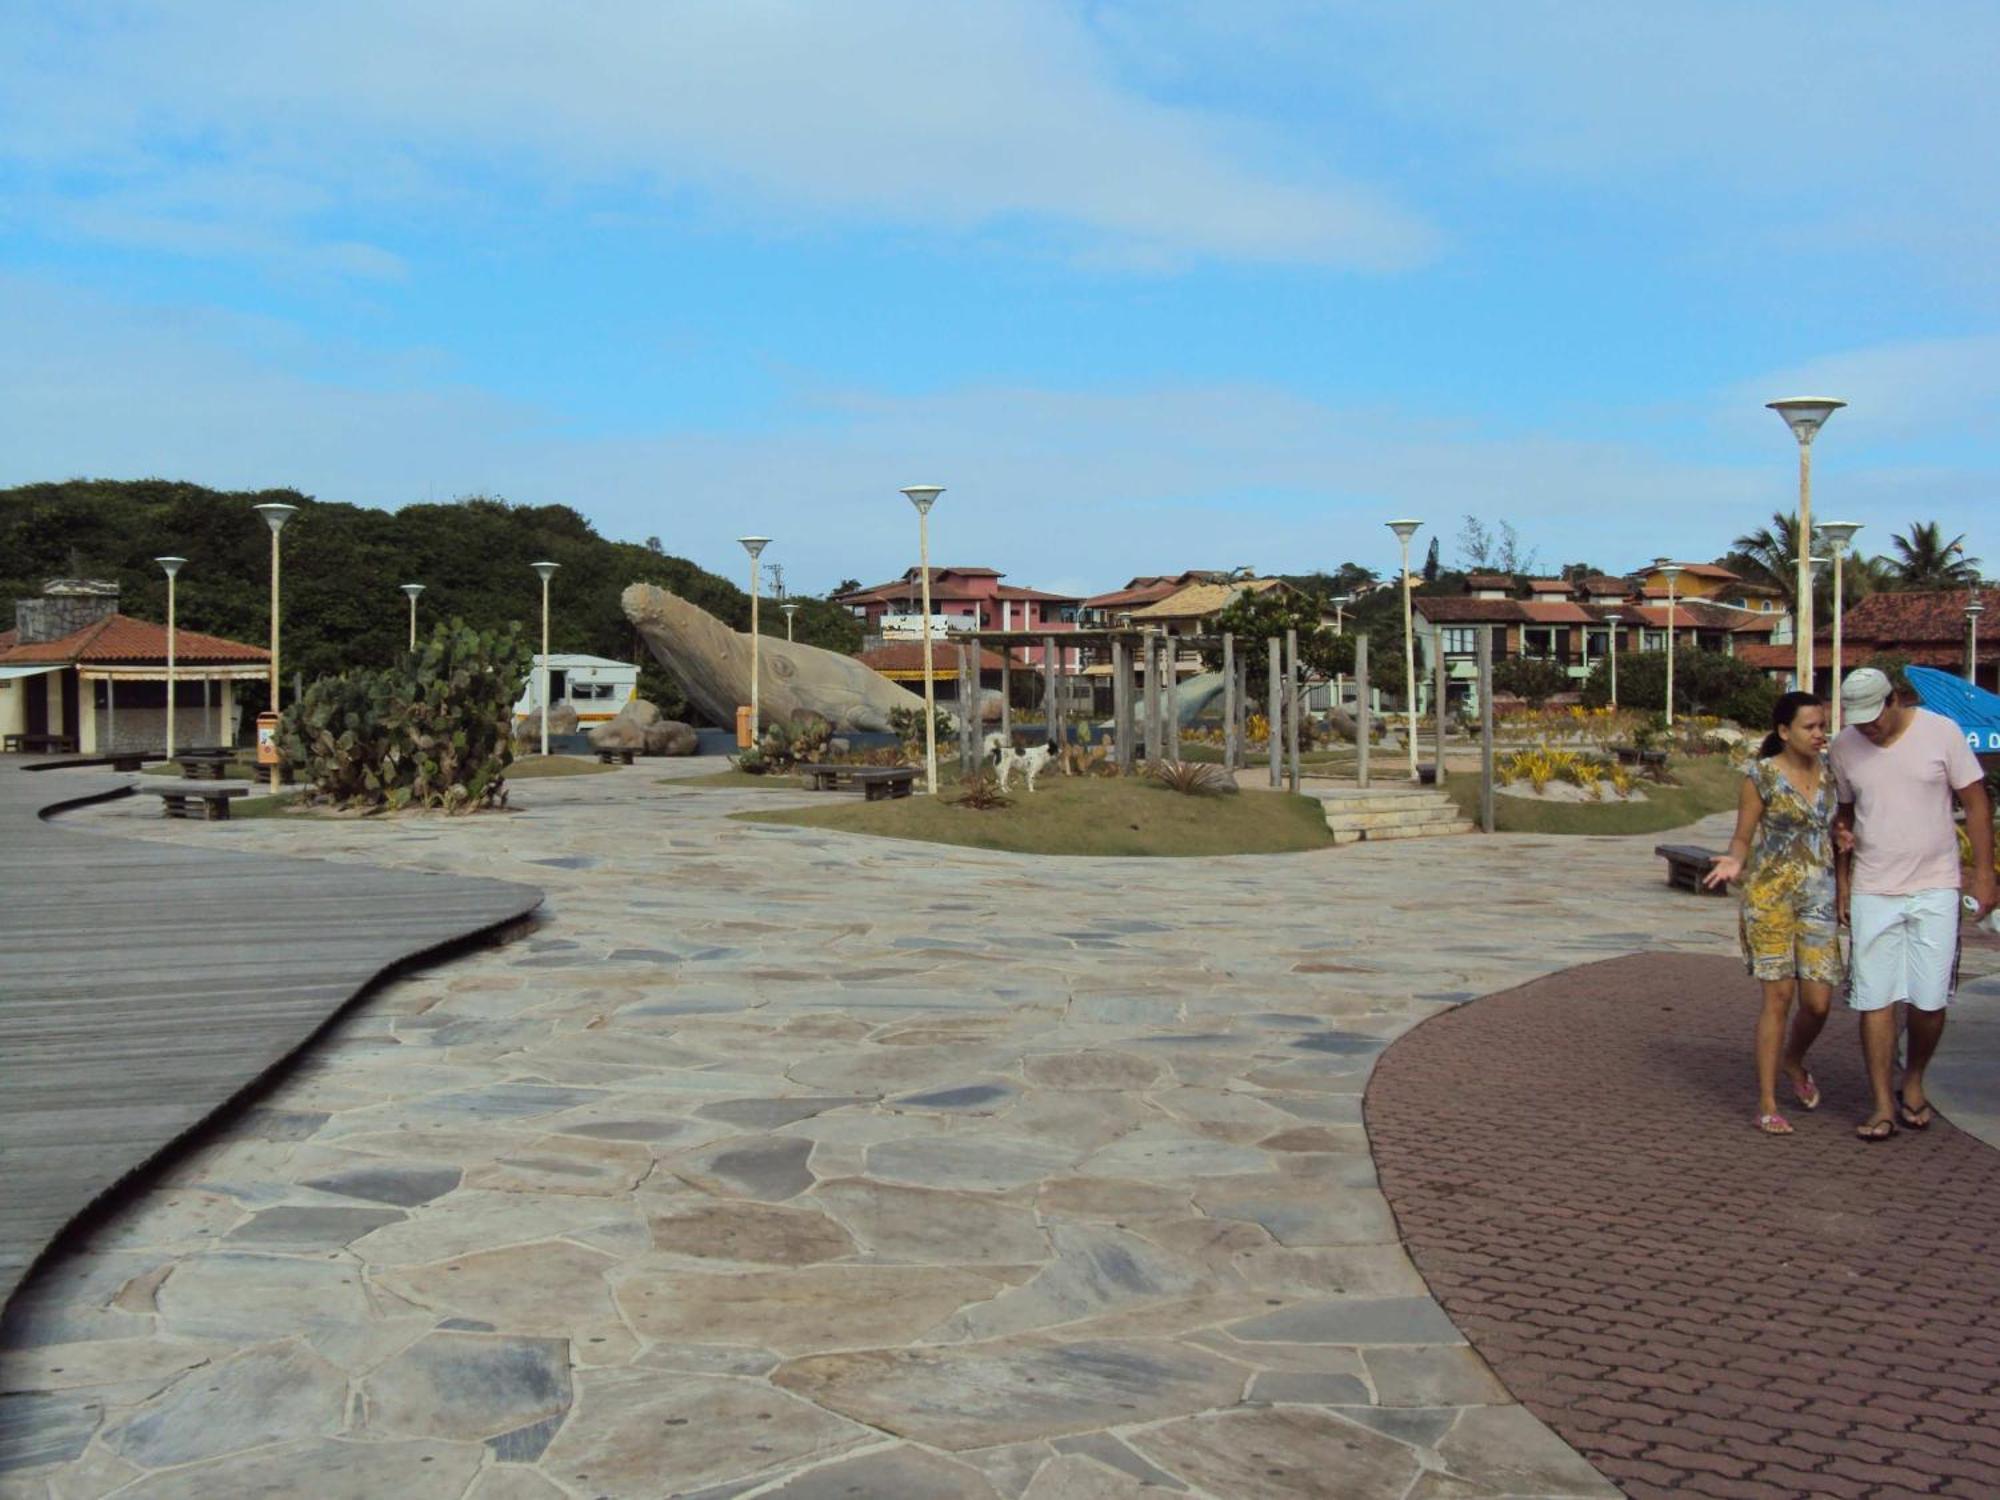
[
  {"x": 1770, "y": 555},
  {"x": 1925, "y": 560}
]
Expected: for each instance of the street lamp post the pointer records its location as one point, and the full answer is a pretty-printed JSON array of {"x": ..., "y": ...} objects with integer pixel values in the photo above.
[
  {"x": 1340, "y": 603},
  {"x": 1805, "y": 415},
  {"x": 1612, "y": 620},
  {"x": 1839, "y": 537},
  {"x": 173, "y": 565},
  {"x": 791, "y": 611},
  {"x": 1672, "y": 572},
  {"x": 545, "y": 571},
  {"x": 923, "y": 497},
  {"x": 413, "y": 589},
  {"x": 1404, "y": 531},
  {"x": 275, "y": 516},
  {"x": 1973, "y": 610},
  {"x": 754, "y": 545}
]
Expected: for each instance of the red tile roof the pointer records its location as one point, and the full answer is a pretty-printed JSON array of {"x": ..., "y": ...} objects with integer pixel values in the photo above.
[
  {"x": 1698, "y": 614},
  {"x": 7, "y": 639},
  {"x": 120, "y": 638},
  {"x": 1555, "y": 612},
  {"x": 1549, "y": 586},
  {"x": 1009, "y": 591},
  {"x": 1785, "y": 658},
  {"x": 1459, "y": 610},
  {"x": 1604, "y": 583},
  {"x": 1895, "y": 622}
]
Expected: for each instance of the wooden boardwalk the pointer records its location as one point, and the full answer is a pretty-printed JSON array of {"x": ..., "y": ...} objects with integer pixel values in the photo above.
[{"x": 143, "y": 985}]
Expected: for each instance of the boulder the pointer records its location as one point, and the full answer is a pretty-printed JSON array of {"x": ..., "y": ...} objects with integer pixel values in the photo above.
[
  {"x": 671, "y": 737},
  {"x": 621, "y": 733},
  {"x": 528, "y": 731},
  {"x": 711, "y": 664},
  {"x": 640, "y": 712}
]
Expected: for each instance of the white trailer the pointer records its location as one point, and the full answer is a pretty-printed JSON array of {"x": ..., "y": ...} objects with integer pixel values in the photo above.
[{"x": 595, "y": 686}]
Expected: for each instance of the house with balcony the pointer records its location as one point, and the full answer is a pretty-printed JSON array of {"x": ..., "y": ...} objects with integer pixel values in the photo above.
[
  {"x": 1930, "y": 629},
  {"x": 966, "y": 598},
  {"x": 1103, "y": 611},
  {"x": 1711, "y": 582}
]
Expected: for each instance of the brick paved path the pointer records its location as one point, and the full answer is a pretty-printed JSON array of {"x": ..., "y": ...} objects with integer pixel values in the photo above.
[{"x": 1698, "y": 1309}]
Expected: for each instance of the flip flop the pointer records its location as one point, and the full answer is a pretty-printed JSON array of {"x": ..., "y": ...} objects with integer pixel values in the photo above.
[
  {"x": 1807, "y": 1093},
  {"x": 1914, "y": 1119},
  {"x": 1774, "y": 1125},
  {"x": 1876, "y": 1131}
]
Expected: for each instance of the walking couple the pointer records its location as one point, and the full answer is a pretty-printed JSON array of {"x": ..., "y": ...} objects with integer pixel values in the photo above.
[{"x": 1862, "y": 838}]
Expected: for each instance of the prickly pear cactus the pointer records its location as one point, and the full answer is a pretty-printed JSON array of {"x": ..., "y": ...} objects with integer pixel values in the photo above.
[{"x": 434, "y": 731}]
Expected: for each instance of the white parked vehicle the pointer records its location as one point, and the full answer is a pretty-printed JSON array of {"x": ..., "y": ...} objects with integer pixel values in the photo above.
[{"x": 595, "y": 686}]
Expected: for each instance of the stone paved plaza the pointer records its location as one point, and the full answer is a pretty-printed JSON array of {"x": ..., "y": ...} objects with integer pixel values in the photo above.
[{"x": 780, "y": 1162}]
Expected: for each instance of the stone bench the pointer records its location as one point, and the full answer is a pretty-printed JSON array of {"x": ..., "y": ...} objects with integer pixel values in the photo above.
[
  {"x": 210, "y": 804},
  {"x": 1688, "y": 865},
  {"x": 880, "y": 783}
]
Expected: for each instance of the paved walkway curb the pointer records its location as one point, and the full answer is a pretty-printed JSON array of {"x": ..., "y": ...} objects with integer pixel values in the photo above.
[{"x": 1698, "y": 1309}]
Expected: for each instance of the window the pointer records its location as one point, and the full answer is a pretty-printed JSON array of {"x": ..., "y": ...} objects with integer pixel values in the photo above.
[
  {"x": 1460, "y": 640},
  {"x": 1067, "y": 614},
  {"x": 1653, "y": 640},
  {"x": 590, "y": 692}
]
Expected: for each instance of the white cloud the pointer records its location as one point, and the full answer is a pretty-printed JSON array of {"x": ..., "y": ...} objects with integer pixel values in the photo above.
[
  {"x": 1940, "y": 391},
  {"x": 1047, "y": 484},
  {"x": 925, "y": 113}
]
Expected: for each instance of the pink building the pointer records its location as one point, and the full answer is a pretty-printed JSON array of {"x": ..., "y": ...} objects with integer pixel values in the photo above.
[{"x": 966, "y": 599}]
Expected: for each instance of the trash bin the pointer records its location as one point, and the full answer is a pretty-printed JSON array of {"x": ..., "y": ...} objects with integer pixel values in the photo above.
[
  {"x": 743, "y": 726},
  {"x": 267, "y": 739}
]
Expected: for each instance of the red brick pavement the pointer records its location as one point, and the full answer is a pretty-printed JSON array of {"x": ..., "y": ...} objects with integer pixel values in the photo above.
[{"x": 1698, "y": 1309}]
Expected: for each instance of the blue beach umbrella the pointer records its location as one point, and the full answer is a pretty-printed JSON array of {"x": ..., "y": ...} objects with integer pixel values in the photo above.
[{"x": 1973, "y": 709}]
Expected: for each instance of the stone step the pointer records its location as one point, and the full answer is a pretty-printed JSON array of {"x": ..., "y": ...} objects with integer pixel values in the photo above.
[
  {"x": 1393, "y": 802},
  {"x": 1403, "y": 817},
  {"x": 1405, "y": 831}
]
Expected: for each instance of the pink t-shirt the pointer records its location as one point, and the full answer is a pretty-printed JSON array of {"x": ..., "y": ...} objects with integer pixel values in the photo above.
[{"x": 1904, "y": 837}]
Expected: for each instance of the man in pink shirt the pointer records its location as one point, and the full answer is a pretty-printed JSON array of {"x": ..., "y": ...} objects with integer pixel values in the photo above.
[{"x": 1896, "y": 769}]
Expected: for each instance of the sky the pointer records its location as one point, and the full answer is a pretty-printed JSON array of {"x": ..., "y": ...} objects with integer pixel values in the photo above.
[{"x": 1146, "y": 284}]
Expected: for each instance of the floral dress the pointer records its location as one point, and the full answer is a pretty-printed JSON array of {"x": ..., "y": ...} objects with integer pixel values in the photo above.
[{"x": 1791, "y": 923}]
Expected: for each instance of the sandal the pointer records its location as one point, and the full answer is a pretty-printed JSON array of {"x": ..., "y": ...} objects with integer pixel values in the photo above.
[
  {"x": 1774, "y": 1125},
  {"x": 1806, "y": 1092},
  {"x": 1876, "y": 1130},
  {"x": 1918, "y": 1118}
]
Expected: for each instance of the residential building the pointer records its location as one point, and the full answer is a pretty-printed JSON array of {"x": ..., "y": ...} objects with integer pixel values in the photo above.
[
  {"x": 1925, "y": 629},
  {"x": 74, "y": 666},
  {"x": 1103, "y": 611},
  {"x": 965, "y": 599},
  {"x": 1715, "y": 583}
]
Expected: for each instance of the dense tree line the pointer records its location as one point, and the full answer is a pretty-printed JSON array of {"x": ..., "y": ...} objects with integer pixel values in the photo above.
[{"x": 343, "y": 565}]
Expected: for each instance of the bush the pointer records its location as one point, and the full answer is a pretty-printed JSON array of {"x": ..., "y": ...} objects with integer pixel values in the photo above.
[
  {"x": 1191, "y": 778},
  {"x": 1704, "y": 682},
  {"x": 434, "y": 731},
  {"x": 1529, "y": 679}
]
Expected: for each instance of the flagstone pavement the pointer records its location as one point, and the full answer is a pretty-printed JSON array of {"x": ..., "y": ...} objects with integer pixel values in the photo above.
[{"x": 782, "y": 1162}]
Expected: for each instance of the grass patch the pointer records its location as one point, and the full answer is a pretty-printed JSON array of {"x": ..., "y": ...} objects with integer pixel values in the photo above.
[
  {"x": 267, "y": 806},
  {"x": 244, "y": 768},
  {"x": 529, "y": 767},
  {"x": 1084, "y": 815},
  {"x": 1707, "y": 785}
]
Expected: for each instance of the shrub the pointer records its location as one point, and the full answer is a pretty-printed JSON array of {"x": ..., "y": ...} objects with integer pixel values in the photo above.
[
  {"x": 907, "y": 724},
  {"x": 789, "y": 742},
  {"x": 1191, "y": 778},
  {"x": 1704, "y": 682},
  {"x": 982, "y": 793},
  {"x": 435, "y": 731},
  {"x": 1525, "y": 677}
]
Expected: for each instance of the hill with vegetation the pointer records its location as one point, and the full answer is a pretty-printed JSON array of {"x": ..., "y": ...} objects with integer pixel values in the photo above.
[{"x": 343, "y": 565}]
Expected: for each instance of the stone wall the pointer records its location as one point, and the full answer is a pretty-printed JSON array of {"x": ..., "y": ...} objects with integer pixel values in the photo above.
[{"x": 66, "y": 605}]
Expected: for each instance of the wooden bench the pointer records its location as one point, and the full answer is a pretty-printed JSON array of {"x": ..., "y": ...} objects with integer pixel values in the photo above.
[
  {"x": 209, "y": 803},
  {"x": 205, "y": 765},
  {"x": 1688, "y": 865},
  {"x": 40, "y": 744},
  {"x": 615, "y": 757},
  {"x": 827, "y": 778},
  {"x": 878, "y": 783}
]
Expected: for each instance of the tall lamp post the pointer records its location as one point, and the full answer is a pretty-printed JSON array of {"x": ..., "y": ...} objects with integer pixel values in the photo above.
[
  {"x": 791, "y": 610},
  {"x": 173, "y": 565},
  {"x": 275, "y": 516},
  {"x": 545, "y": 571},
  {"x": 754, "y": 545},
  {"x": 1839, "y": 537},
  {"x": 1404, "y": 531},
  {"x": 923, "y": 497},
  {"x": 1805, "y": 415},
  {"x": 1672, "y": 572},
  {"x": 1612, "y": 620},
  {"x": 412, "y": 590},
  {"x": 1973, "y": 610},
  {"x": 1340, "y": 603}
]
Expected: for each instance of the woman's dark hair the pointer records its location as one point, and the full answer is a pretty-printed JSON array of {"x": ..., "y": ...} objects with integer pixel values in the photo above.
[{"x": 1783, "y": 712}]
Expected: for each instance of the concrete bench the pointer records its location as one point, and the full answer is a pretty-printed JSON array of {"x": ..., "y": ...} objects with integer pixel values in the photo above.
[
  {"x": 879, "y": 783},
  {"x": 615, "y": 757},
  {"x": 210, "y": 804},
  {"x": 40, "y": 744},
  {"x": 1688, "y": 865},
  {"x": 825, "y": 777}
]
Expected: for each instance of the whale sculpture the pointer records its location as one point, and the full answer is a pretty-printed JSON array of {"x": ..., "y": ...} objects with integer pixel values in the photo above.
[{"x": 711, "y": 663}]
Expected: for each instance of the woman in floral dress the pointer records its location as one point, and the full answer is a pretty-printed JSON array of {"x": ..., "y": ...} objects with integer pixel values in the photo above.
[{"x": 1783, "y": 855}]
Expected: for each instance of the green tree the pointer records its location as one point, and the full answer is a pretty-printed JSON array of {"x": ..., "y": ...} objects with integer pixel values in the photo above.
[
  {"x": 1254, "y": 618},
  {"x": 1925, "y": 560},
  {"x": 1705, "y": 682},
  {"x": 1526, "y": 677}
]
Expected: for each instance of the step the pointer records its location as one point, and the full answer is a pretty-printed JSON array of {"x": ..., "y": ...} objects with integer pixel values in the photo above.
[
  {"x": 1391, "y": 803},
  {"x": 1402, "y": 817},
  {"x": 1406, "y": 831}
]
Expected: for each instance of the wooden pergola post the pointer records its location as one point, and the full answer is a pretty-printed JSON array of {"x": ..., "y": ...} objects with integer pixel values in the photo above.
[
  {"x": 968, "y": 711},
  {"x": 1292, "y": 704},
  {"x": 1149, "y": 718},
  {"x": 1121, "y": 709},
  {"x": 1229, "y": 725},
  {"x": 1486, "y": 728},
  {"x": 1007, "y": 695},
  {"x": 1439, "y": 690},
  {"x": 1364, "y": 718},
  {"x": 1052, "y": 708},
  {"x": 1171, "y": 726},
  {"x": 1274, "y": 729}
]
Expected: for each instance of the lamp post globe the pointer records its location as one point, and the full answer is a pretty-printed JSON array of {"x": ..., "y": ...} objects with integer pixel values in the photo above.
[
  {"x": 172, "y": 565},
  {"x": 923, "y": 497},
  {"x": 275, "y": 516},
  {"x": 544, "y": 571},
  {"x": 1404, "y": 530}
]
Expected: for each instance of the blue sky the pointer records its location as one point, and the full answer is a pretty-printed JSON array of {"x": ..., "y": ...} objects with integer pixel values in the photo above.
[{"x": 1146, "y": 285}]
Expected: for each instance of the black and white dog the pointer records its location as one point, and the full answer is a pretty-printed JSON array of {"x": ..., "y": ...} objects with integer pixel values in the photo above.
[{"x": 1011, "y": 758}]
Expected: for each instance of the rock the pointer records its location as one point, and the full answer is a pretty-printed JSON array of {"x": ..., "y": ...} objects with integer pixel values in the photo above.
[
  {"x": 711, "y": 664},
  {"x": 672, "y": 737},
  {"x": 641, "y": 712},
  {"x": 619, "y": 733},
  {"x": 528, "y": 731}
]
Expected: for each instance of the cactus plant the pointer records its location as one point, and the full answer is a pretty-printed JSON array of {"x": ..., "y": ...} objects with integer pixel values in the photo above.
[{"x": 434, "y": 731}]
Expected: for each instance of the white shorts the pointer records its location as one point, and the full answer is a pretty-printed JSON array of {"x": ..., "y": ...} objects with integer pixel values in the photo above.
[{"x": 1905, "y": 948}]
